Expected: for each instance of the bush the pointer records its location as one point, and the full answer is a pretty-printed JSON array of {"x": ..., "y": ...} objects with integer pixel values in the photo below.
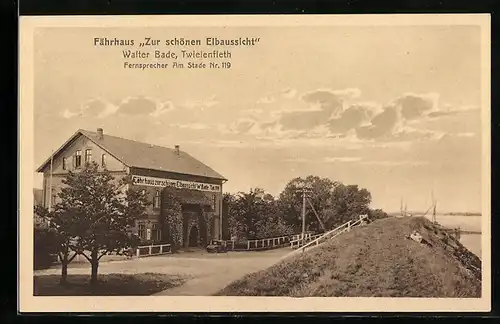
[
  {"x": 374, "y": 214},
  {"x": 45, "y": 248}
]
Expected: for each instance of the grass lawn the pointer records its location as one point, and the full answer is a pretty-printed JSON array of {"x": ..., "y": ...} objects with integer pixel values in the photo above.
[
  {"x": 142, "y": 284},
  {"x": 375, "y": 260}
]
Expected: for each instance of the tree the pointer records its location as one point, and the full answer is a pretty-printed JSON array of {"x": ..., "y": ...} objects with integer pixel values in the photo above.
[
  {"x": 96, "y": 213},
  {"x": 227, "y": 220},
  {"x": 247, "y": 210},
  {"x": 347, "y": 203},
  {"x": 290, "y": 201},
  {"x": 334, "y": 202},
  {"x": 59, "y": 236}
]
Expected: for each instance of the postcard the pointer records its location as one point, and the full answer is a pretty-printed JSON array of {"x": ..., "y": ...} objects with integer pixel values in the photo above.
[{"x": 255, "y": 163}]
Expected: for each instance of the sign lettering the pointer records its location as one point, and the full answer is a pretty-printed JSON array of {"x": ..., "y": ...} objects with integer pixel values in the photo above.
[{"x": 179, "y": 184}]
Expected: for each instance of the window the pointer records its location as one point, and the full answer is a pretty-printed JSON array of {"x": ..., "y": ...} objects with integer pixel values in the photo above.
[
  {"x": 103, "y": 160},
  {"x": 64, "y": 163},
  {"x": 88, "y": 155},
  {"x": 142, "y": 231},
  {"x": 53, "y": 199},
  {"x": 78, "y": 159},
  {"x": 154, "y": 232},
  {"x": 156, "y": 200}
]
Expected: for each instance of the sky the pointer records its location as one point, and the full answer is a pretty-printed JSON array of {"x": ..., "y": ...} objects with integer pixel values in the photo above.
[{"x": 395, "y": 110}]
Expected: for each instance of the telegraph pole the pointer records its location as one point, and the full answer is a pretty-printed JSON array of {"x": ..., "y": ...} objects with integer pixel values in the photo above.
[
  {"x": 303, "y": 214},
  {"x": 304, "y": 189}
]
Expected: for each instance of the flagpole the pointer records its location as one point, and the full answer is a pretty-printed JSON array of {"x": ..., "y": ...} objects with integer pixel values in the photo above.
[{"x": 50, "y": 180}]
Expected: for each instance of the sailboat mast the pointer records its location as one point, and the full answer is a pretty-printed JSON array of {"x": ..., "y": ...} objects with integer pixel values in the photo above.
[
  {"x": 433, "y": 207},
  {"x": 401, "y": 207}
]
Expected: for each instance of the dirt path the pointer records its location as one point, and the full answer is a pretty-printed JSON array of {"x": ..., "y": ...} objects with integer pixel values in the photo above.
[
  {"x": 206, "y": 273},
  {"x": 223, "y": 269}
]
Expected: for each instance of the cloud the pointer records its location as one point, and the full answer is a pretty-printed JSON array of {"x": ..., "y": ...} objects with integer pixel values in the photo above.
[
  {"x": 297, "y": 160},
  {"x": 67, "y": 114},
  {"x": 414, "y": 106},
  {"x": 347, "y": 94},
  {"x": 327, "y": 100},
  {"x": 137, "y": 106},
  {"x": 287, "y": 93},
  {"x": 304, "y": 120},
  {"x": 96, "y": 107},
  {"x": 162, "y": 108},
  {"x": 332, "y": 115},
  {"x": 342, "y": 159},
  {"x": 413, "y": 134},
  {"x": 266, "y": 100},
  {"x": 131, "y": 106},
  {"x": 240, "y": 126},
  {"x": 252, "y": 111},
  {"x": 194, "y": 126},
  {"x": 325, "y": 107},
  {"x": 201, "y": 104},
  {"x": 394, "y": 163},
  {"x": 353, "y": 117},
  {"x": 453, "y": 112},
  {"x": 465, "y": 134},
  {"x": 382, "y": 124}
]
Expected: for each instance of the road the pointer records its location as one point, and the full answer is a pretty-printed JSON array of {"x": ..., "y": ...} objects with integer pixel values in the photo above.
[{"x": 207, "y": 273}]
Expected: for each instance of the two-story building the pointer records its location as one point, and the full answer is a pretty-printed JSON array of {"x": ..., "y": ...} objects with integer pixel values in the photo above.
[{"x": 153, "y": 169}]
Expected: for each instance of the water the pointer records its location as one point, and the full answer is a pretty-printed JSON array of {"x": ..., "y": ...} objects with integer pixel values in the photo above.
[
  {"x": 472, "y": 242},
  {"x": 469, "y": 223}
]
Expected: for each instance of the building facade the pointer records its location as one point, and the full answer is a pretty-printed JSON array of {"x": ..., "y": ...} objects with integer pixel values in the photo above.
[{"x": 158, "y": 171}]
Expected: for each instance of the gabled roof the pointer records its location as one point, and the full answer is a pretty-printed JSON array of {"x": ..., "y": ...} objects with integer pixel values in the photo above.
[{"x": 143, "y": 155}]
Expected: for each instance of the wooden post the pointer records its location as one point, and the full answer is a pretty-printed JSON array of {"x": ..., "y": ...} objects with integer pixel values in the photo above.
[
  {"x": 161, "y": 249},
  {"x": 248, "y": 245},
  {"x": 138, "y": 252}
]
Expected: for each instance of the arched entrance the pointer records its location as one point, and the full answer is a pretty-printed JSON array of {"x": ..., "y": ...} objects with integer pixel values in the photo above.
[{"x": 193, "y": 236}]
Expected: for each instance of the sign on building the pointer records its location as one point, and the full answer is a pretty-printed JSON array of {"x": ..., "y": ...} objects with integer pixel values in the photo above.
[
  {"x": 148, "y": 234},
  {"x": 179, "y": 184}
]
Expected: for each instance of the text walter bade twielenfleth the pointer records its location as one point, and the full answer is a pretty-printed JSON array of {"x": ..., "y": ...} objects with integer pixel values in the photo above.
[{"x": 180, "y": 49}]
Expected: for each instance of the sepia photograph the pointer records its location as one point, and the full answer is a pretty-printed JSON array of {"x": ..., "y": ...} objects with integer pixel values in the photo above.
[{"x": 268, "y": 159}]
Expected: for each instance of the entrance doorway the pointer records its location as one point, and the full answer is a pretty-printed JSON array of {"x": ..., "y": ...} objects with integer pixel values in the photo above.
[{"x": 193, "y": 236}]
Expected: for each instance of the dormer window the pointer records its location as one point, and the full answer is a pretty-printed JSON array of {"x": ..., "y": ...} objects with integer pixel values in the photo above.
[
  {"x": 88, "y": 155},
  {"x": 78, "y": 159}
]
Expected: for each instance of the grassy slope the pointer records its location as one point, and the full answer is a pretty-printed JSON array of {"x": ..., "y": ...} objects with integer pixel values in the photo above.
[{"x": 373, "y": 261}]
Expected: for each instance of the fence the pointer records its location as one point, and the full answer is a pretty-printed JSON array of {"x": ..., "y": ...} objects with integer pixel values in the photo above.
[
  {"x": 295, "y": 243},
  {"x": 149, "y": 250},
  {"x": 320, "y": 238},
  {"x": 262, "y": 244}
]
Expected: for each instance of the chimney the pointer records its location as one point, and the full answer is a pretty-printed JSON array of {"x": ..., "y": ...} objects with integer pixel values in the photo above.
[
  {"x": 99, "y": 133},
  {"x": 177, "y": 149}
]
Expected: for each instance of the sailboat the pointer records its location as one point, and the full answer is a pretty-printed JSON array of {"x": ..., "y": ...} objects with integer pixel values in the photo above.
[
  {"x": 433, "y": 207},
  {"x": 434, "y": 203}
]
